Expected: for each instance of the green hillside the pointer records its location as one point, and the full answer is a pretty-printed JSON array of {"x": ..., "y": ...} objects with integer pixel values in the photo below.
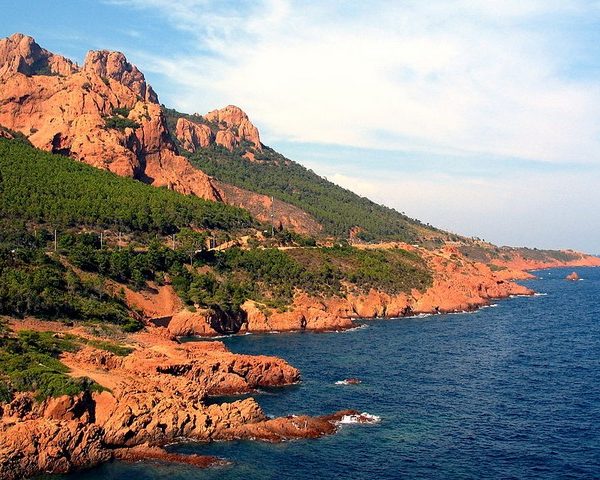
[
  {"x": 40, "y": 190},
  {"x": 334, "y": 207},
  {"x": 40, "y": 187}
]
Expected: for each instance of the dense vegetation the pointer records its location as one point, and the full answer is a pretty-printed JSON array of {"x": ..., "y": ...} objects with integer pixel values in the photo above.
[
  {"x": 225, "y": 279},
  {"x": 120, "y": 123},
  {"x": 486, "y": 253},
  {"x": 129, "y": 266},
  {"x": 33, "y": 283},
  {"x": 543, "y": 255},
  {"x": 29, "y": 363},
  {"x": 45, "y": 188},
  {"x": 336, "y": 208},
  {"x": 272, "y": 276}
]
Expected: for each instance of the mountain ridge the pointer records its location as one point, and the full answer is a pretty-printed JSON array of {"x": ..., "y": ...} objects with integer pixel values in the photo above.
[{"x": 105, "y": 113}]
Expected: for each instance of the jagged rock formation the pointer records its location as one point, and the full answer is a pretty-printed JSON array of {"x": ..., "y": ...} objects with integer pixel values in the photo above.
[
  {"x": 20, "y": 54},
  {"x": 193, "y": 135},
  {"x": 234, "y": 127},
  {"x": 105, "y": 114},
  {"x": 157, "y": 396},
  {"x": 229, "y": 127},
  {"x": 115, "y": 66},
  {"x": 67, "y": 113}
]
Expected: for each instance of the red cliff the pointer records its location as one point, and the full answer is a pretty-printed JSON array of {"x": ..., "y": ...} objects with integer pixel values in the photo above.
[
  {"x": 107, "y": 115},
  {"x": 156, "y": 396}
]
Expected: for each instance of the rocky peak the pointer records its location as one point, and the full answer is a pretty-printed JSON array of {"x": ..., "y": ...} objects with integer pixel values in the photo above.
[
  {"x": 119, "y": 126},
  {"x": 21, "y": 54},
  {"x": 114, "y": 65},
  {"x": 193, "y": 135},
  {"x": 233, "y": 118}
]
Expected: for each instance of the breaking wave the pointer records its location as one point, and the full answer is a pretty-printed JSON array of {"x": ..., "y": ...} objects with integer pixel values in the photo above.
[{"x": 359, "y": 418}]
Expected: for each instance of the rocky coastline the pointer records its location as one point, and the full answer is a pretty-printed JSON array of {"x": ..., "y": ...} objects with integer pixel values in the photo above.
[
  {"x": 153, "y": 397},
  {"x": 459, "y": 285},
  {"x": 157, "y": 394},
  {"x": 104, "y": 113}
]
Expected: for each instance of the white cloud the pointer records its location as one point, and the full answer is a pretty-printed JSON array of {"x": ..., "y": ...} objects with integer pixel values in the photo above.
[
  {"x": 530, "y": 209},
  {"x": 489, "y": 79},
  {"x": 470, "y": 76}
]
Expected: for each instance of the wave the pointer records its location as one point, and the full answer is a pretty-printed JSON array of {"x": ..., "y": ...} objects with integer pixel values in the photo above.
[
  {"x": 465, "y": 312},
  {"x": 359, "y": 418},
  {"x": 537, "y": 294}
]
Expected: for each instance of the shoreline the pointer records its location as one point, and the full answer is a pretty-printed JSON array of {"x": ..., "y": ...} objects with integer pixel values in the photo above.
[{"x": 160, "y": 393}]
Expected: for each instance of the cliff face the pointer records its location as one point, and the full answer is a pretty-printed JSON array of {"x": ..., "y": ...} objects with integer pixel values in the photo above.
[
  {"x": 228, "y": 127},
  {"x": 114, "y": 65},
  {"x": 105, "y": 114},
  {"x": 236, "y": 127},
  {"x": 458, "y": 285},
  {"x": 68, "y": 110},
  {"x": 20, "y": 54}
]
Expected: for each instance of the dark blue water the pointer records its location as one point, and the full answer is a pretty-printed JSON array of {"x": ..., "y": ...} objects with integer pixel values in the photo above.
[{"x": 508, "y": 392}]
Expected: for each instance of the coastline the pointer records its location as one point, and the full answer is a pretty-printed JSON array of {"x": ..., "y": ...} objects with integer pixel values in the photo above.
[
  {"x": 153, "y": 397},
  {"x": 157, "y": 395},
  {"x": 459, "y": 285}
]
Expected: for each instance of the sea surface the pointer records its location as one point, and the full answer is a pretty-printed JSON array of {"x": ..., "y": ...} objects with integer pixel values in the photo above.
[{"x": 511, "y": 391}]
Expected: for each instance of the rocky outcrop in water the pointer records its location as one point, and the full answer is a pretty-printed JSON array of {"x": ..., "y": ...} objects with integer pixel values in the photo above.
[
  {"x": 156, "y": 395},
  {"x": 574, "y": 276}
]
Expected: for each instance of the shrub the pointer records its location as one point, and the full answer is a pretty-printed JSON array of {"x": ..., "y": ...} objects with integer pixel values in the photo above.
[
  {"x": 119, "y": 123},
  {"x": 122, "y": 111}
]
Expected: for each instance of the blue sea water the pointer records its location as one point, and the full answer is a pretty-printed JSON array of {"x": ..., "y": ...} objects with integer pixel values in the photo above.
[{"x": 511, "y": 391}]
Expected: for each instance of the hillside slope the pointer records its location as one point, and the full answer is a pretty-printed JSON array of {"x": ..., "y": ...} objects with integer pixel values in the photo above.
[
  {"x": 36, "y": 186},
  {"x": 214, "y": 144},
  {"x": 104, "y": 113}
]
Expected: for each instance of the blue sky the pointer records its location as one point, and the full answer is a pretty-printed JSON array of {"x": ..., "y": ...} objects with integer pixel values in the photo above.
[{"x": 478, "y": 116}]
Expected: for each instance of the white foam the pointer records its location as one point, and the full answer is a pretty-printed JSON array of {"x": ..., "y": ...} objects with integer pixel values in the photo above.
[
  {"x": 359, "y": 418},
  {"x": 465, "y": 312},
  {"x": 420, "y": 315},
  {"x": 347, "y": 382},
  {"x": 362, "y": 326},
  {"x": 539, "y": 294}
]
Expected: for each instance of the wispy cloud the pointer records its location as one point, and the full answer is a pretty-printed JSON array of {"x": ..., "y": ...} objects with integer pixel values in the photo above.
[
  {"x": 479, "y": 116},
  {"x": 456, "y": 76}
]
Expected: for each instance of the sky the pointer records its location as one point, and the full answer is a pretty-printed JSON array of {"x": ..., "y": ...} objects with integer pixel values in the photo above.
[{"x": 481, "y": 117}]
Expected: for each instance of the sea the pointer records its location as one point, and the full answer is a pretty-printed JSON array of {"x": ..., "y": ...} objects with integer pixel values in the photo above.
[{"x": 511, "y": 391}]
